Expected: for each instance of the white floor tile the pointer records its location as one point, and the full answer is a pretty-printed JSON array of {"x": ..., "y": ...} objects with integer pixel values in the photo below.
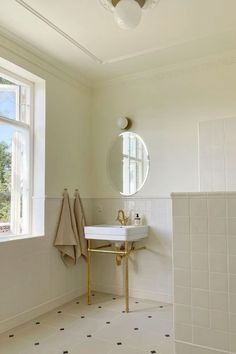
[{"x": 103, "y": 327}]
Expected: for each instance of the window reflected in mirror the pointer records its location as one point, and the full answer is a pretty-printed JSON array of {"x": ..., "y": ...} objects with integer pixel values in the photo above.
[{"x": 128, "y": 163}]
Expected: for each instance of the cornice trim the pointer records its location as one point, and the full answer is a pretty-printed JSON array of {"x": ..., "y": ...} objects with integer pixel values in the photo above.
[
  {"x": 12, "y": 44},
  {"x": 184, "y": 67}
]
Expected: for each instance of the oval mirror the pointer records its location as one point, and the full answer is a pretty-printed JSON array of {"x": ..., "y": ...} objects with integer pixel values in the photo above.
[{"x": 128, "y": 163}]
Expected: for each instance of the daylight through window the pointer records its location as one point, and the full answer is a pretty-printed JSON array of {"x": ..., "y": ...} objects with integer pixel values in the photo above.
[{"x": 15, "y": 155}]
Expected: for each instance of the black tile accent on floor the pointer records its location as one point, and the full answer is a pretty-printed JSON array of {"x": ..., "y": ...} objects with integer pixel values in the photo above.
[
  {"x": 152, "y": 351},
  {"x": 119, "y": 343},
  {"x": 99, "y": 307},
  {"x": 65, "y": 352},
  {"x": 77, "y": 302},
  {"x": 136, "y": 328},
  {"x": 11, "y": 335},
  {"x": 62, "y": 329},
  {"x": 59, "y": 311},
  {"x": 108, "y": 322},
  {"x": 149, "y": 316},
  {"x": 89, "y": 335},
  {"x": 37, "y": 343},
  {"x": 136, "y": 302},
  {"x": 37, "y": 323},
  {"x": 161, "y": 307},
  {"x": 114, "y": 298},
  {"x": 82, "y": 316},
  {"x": 167, "y": 335}
]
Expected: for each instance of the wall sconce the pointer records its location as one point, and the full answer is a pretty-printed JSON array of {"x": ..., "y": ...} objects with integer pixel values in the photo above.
[{"x": 124, "y": 123}]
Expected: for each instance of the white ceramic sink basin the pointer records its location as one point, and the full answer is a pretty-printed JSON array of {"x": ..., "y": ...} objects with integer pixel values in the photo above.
[{"x": 116, "y": 232}]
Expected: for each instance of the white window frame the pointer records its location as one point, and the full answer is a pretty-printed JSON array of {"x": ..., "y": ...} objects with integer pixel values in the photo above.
[{"x": 18, "y": 80}]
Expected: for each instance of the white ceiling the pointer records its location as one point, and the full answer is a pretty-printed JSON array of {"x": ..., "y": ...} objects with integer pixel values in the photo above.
[{"x": 174, "y": 30}]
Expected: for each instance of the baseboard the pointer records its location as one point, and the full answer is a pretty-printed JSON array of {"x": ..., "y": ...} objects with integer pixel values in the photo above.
[
  {"x": 141, "y": 294},
  {"x": 28, "y": 315},
  {"x": 183, "y": 347}
]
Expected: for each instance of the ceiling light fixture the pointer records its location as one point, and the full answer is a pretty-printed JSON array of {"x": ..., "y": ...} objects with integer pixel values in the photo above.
[{"x": 128, "y": 13}]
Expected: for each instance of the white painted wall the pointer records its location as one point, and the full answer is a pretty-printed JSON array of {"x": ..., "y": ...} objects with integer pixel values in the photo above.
[
  {"x": 32, "y": 275},
  {"x": 166, "y": 109}
]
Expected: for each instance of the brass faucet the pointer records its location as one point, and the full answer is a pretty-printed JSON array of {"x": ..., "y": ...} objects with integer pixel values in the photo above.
[{"x": 122, "y": 218}]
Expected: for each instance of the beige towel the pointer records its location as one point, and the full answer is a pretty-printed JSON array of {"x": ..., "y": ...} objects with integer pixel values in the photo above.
[
  {"x": 66, "y": 240},
  {"x": 80, "y": 223}
]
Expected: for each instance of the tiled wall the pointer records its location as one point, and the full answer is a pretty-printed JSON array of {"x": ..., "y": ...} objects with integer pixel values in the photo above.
[
  {"x": 151, "y": 269},
  {"x": 217, "y": 150},
  {"x": 204, "y": 258}
]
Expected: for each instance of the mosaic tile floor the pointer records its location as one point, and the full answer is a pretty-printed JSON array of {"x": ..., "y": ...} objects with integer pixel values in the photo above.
[{"x": 101, "y": 328}]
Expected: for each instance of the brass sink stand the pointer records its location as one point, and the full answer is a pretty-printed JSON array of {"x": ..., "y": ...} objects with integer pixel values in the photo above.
[{"x": 123, "y": 253}]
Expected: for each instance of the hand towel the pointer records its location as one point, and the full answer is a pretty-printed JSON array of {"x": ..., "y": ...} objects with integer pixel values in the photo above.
[
  {"x": 66, "y": 240},
  {"x": 80, "y": 223}
]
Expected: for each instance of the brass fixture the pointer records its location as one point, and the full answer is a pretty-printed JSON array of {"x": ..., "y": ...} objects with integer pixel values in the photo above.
[
  {"x": 140, "y": 2},
  {"x": 124, "y": 253},
  {"x": 122, "y": 218}
]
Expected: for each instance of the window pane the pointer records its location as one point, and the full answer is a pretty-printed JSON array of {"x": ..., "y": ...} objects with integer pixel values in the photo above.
[
  {"x": 8, "y": 101},
  {"x": 14, "y": 101},
  {"x": 13, "y": 180}
]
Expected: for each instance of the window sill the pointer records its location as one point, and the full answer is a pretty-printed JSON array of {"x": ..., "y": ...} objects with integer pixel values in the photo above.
[{"x": 10, "y": 238}]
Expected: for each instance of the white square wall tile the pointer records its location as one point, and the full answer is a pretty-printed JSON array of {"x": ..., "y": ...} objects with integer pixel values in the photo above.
[
  {"x": 200, "y": 279},
  {"x": 198, "y": 226},
  {"x": 232, "y": 264},
  {"x": 231, "y": 226},
  {"x": 217, "y": 244},
  {"x": 183, "y": 332},
  {"x": 232, "y": 283},
  {"x": 183, "y": 314},
  {"x": 232, "y": 322},
  {"x": 232, "y": 246},
  {"x": 216, "y": 207},
  {"x": 182, "y": 277},
  {"x": 217, "y": 226},
  {"x": 231, "y": 206},
  {"x": 180, "y": 207},
  {"x": 182, "y": 259},
  {"x": 220, "y": 320},
  {"x": 232, "y": 303},
  {"x": 198, "y": 207},
  {"x": 199, "y": 243},
  {"x": 218, "y": 262},
  {"x": 181, "y": 225},
  {"x": 181, "y": 242},
  {"x": 211, "y": 338},
  {"x": 199, "y": 261},
  {"x": 200, "y": 298},
  {"x": 219, "y": 282},
  {"x": 219, "y": 301},
  {"x": 182, "y": 295},
  {"x": 200, "y": 317}
]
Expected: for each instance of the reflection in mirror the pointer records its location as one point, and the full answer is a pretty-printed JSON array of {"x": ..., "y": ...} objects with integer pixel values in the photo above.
[{"x": 128, "y": 163}]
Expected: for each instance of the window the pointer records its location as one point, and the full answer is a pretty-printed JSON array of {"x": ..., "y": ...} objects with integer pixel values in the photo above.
[{"x": 16, "y": 154}]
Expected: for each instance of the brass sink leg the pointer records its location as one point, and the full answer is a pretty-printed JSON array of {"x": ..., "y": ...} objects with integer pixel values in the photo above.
[
  {"x": 89, "y": 274},
  {"x": 126, "y": 276}
]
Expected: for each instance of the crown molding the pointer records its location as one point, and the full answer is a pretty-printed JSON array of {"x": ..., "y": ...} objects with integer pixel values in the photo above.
[
  {"x": 19, "y": 48},
  {"x": 184, "y": 67}
]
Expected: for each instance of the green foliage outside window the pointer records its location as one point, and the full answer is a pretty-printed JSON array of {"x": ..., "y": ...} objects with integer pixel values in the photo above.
[{"x": 5, "y": 182}]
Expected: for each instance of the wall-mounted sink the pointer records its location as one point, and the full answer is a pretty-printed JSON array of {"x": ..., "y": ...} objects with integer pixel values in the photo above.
[{"x": 116, "y": 232}]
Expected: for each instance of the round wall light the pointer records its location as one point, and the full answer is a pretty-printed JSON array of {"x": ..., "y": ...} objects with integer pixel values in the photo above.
[{"x": 124, "y": 123}]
